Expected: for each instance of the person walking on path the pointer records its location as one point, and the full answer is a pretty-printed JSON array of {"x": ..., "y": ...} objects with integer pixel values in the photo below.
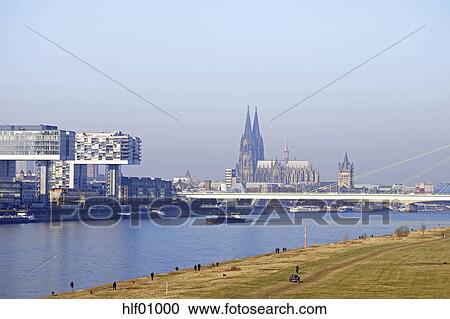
[
  {"x": 297, "y": 269},
  {"x": 71, "y": 285},
  {"x": 195, "y": 267},
  {"x": 114, "y": 286},
  {"x": 152, "y": 275},
  {"x": 199, "y": 267}
]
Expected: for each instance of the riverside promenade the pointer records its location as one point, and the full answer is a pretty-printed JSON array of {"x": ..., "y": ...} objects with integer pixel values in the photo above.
[{"x": 415, "y": 266}]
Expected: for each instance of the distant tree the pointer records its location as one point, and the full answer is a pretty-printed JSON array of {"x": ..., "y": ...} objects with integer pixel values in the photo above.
[
  {"x": 423, "y": 228},
  {"x": 402, "y": 231}
]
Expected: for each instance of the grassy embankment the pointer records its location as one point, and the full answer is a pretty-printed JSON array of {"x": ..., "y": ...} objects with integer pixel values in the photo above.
[{"x": 417, "y": 266}]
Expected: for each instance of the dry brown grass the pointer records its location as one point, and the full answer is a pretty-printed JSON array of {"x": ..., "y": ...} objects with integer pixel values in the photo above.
[{"x": 416, "y": 266}]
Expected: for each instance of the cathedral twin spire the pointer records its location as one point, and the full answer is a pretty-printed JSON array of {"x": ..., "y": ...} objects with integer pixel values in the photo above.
[
  {"x": 257, "y": 138},
  {"x": 252, "y": 148},
  {"x": 256, "y": 132},
  {"x": 248, "y": 131},
  {"x": 252, "y": 151},
  {"x": 248, "y": 126}
]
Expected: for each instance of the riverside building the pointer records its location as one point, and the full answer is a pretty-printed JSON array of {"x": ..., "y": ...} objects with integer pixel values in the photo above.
[
  {"x": 40, "y": 143},
  {"x": 345, "y": 175},
  {"x": 252, "y": 167},
  {"x": 62, "y": 157},
  {"x": 112, "y": 149}
]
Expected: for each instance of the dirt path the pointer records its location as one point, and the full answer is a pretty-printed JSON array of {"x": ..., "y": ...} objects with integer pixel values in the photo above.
[{"x": 317, "y": 276}]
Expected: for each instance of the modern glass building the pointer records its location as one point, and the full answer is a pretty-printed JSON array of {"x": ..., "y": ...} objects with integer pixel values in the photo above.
[
  {"x": 112, "y": 149},
  {"x": 108, "y": 148},
  {"x": 62, "y": 156},
  {"x": 36, "y": 143},
  {"x": 145, "y": 187},
  {"x": 40, "y": 143}
]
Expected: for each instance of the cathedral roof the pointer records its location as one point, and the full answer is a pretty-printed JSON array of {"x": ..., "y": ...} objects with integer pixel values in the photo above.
[
  {"x": 289, "y": 164},
  {"x": 266, "y": 163},
  {"x": 297, "y": 164}
]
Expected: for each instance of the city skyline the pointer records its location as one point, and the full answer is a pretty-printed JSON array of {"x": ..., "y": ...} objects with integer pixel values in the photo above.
[
  {"x": 224, "y": 158},
  {"x": 207, "y": 76},
  {"x": 361, "y": 177}
]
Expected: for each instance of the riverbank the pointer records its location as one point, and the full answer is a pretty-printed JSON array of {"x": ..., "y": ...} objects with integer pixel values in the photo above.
[{"x": 417, "y": 266}]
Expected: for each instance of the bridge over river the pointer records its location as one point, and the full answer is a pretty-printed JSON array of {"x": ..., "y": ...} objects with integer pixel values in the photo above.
[{"x": 404, "y": 199}]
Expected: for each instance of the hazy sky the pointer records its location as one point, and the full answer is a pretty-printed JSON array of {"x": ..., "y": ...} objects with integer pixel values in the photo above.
[{"x": 205, "y": 61}]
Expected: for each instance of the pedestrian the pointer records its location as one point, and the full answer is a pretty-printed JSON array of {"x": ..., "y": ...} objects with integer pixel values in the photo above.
[
  {"x": 217, "y": 264},
  {"x": 297, "y": 269},
  {"x": 195, "y": 267},
  {"x": 199, "y": 267},
  {"x": 71, "y": 285},
  {"x": 53, "y": 293},
  {"x": 176, "y": 268},
  {"x": 152, "y": 275},
  {"x": 114, "y": 285}
]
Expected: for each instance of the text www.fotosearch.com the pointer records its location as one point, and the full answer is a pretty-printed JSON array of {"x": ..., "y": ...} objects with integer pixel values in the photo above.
[{"x": 223, "y": 309}]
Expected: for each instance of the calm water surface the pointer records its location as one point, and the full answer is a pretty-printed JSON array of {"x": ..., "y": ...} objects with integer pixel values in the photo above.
[{"x": 38, "y": 258}]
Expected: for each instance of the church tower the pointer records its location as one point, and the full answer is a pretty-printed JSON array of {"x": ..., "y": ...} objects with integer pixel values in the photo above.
[
  {"x": 345, "y": 175},
  {"x": 251, "y": 149},
  {"x": 246, "y": 164},
  {"x": 257, "y": 139},
  {"x": 286, "y": 152}
]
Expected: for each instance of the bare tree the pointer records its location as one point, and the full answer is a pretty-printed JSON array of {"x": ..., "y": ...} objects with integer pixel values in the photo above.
[{"x": 423, "y": 228}]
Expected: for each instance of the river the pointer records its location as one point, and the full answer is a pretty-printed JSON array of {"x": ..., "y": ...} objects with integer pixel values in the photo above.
[{"x": 36, "y": 259}]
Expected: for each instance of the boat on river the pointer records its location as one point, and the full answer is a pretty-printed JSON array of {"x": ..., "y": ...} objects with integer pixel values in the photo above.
[
  {"x": 16, "y": 217},
  {"x": 304, "y": 209},
  {"x": 223, "y": 219},
  {"x": 346, "y": 209}
]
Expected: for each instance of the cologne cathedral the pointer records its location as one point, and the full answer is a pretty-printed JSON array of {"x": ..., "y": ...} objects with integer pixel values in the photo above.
[{"x": 253, "y": 168}]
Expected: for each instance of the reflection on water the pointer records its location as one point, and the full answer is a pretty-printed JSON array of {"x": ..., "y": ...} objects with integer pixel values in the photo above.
[{"x": 36, "y": 259}]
